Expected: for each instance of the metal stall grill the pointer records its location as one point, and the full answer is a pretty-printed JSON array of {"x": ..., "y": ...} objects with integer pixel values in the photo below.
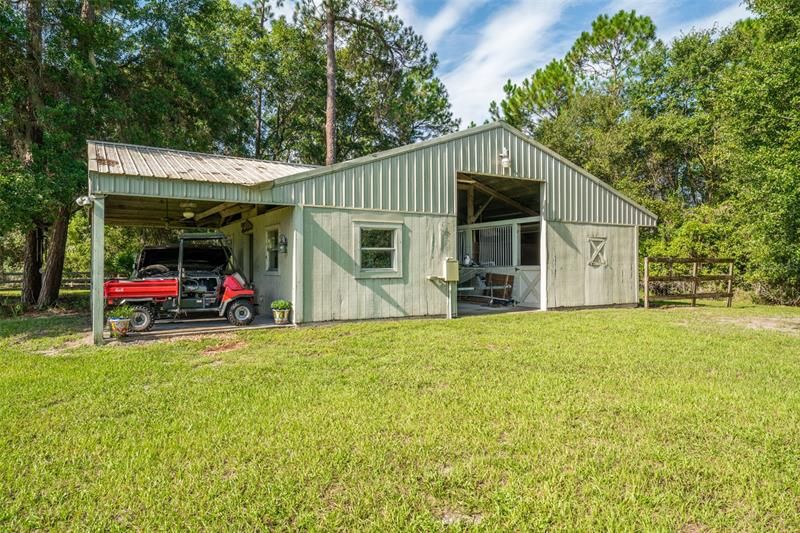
[{"x": 494, "y": 245}]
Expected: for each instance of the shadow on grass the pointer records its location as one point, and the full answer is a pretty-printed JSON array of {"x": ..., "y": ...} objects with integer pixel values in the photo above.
[{"x": 69, "y": 301}]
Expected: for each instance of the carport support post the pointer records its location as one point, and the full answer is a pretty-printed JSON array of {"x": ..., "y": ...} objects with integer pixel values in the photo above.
[
  {"x": 98, "y": 260},
  {"x": 298, "y": 272}
]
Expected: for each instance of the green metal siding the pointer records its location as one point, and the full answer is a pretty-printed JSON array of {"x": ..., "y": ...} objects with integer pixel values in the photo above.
[
  {"x": 177, "y": 189},
  {"x": 572, "y": 282},
  {"x": 332, "y": 292},
  {"x": 422, "y": 179}
]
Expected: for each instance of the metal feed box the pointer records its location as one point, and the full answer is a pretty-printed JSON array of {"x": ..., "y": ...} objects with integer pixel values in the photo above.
[{"x": 450, "y": 269}]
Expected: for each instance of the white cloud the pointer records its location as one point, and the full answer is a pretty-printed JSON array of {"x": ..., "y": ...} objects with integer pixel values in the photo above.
[
  {"x": 510, "y": 45},
  {"x": 655, "y": 9},
  {"x": 446, "y": 18}
]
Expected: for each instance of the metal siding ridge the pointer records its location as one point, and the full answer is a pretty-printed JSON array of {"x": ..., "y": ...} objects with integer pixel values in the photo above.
[
  {"x": 112, "y": 152},
  {"x": 152, "y": 163},
  {"x": 220, "y": 169},
  {"x": 100, "y": 155},
  {"x": 138, "y": 162},
  {"x": 91, "y": 156}
]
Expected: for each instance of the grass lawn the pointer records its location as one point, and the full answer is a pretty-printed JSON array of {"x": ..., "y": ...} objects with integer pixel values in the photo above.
[{"x": 665, "y": 419}]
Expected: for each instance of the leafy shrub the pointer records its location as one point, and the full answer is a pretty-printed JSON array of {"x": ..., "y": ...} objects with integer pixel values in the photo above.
[
  {"x": 121, "y": 311},
  {"x": 281, "y": 305}
]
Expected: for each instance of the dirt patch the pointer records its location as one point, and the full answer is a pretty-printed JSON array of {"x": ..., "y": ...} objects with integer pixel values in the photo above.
[
  {"x": 84, "y": 340},
  {"x": 786, "y": 325},
  {"x": 227, "y": 346},
  {"x": 451, "y": 517},
  {"x": 691, "y": 527}
]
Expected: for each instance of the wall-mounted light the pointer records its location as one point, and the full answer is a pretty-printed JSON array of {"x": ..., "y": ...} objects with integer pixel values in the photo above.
[
  {"x": 83, "y": 201},
  {"x": 505, "y": 159},
  {"x": 283, "y": 244}
]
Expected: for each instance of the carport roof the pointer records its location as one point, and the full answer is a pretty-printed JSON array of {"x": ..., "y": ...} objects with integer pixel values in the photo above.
[{"x": 147, "y": 161}]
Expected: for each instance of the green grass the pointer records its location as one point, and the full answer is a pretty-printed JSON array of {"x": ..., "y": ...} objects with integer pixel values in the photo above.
[{"x": 612, "y": 419}]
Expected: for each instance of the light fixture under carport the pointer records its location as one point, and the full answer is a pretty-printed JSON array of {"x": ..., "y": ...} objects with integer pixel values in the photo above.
[{"x": 188, "y": 209}]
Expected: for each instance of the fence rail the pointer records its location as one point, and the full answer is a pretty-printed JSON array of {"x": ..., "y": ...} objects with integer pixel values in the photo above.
[
  {"x": 69, "y": 280},
  {"x": 695, "y": 278}
]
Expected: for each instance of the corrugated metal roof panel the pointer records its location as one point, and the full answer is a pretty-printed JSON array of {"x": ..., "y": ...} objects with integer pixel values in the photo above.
[{"x": 132, "y": 160}]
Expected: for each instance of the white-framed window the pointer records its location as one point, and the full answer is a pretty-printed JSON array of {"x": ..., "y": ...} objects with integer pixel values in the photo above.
[
  {"x": 271, "y": 246},
  {"x": 378, "y": 249},
  {"x": 597, "y": 251}
]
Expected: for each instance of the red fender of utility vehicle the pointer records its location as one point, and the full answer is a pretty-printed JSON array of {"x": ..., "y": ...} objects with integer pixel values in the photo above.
[{"x": 184, "y": 281}]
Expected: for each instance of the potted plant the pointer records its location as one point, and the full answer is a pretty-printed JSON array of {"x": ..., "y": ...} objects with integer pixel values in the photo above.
[
  {"x": 119, "y": 320},
  {"x": 281, "y": 310}
]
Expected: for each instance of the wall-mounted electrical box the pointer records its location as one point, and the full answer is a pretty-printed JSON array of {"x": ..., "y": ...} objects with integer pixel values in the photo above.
[{"x": 450, "y": 269}]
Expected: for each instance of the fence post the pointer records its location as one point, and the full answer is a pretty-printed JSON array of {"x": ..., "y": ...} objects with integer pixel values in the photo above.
[
  {"x": 646, "y": 282},
  {"x": 694, "y": 283},
  {"x": 730, "y": 283}
]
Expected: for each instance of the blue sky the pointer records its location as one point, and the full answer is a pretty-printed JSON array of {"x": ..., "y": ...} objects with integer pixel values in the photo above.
[{"x": 482, "y": 43}]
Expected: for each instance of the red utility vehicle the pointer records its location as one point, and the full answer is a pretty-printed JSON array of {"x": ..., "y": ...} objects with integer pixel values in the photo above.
[{"x": 191, "y": 278}]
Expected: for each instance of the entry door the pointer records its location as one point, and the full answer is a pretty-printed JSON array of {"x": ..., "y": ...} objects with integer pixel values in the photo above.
[
  {"x": 528, "y": 271},
  {"x": 527, "y": 282}
]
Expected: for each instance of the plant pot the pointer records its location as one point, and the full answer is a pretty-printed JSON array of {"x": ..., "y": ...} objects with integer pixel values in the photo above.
[
  {"x": 119, "y": 326},
  {"x": 281, "y": 316}
]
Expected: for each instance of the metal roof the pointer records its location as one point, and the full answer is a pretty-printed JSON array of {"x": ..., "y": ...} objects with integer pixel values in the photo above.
[
  {"x": 417, "y": 178},
  {"x": 147, "y": 161}
]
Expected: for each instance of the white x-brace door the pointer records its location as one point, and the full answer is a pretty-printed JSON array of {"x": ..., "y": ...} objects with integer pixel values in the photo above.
[{"x": 527, "y": 283}]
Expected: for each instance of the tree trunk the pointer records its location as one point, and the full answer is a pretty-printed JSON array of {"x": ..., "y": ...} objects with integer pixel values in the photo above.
[
  {"x": 260, "y": 92},
  {"x": 32, "y": 135},
  {"x": 88, "y": 18},
  {"x": 32, "y": 130},
  {"x": 54, "y": 266},
  {"x": 259, "y": 123},
  {"x": 32, "y": 265},
  {"x": 330, "y": 103}
]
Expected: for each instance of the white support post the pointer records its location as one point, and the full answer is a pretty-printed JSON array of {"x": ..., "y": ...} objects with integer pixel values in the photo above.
[
  {"x": 515, "y": 253},
  {"x": 297, "y": 264},
  {"x": 543, "y": 259},
  {"x": 636, "y": 265},
  {"x": 98, "y": 260}
]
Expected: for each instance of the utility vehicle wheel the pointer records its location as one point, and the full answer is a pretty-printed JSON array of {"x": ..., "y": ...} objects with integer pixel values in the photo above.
[
  {"x": 241, "y": 313},
  {"x": 142, "y": 318}
]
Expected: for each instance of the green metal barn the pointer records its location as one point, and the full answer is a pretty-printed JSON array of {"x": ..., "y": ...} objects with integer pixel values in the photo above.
[{"x": 370, "y": 237}]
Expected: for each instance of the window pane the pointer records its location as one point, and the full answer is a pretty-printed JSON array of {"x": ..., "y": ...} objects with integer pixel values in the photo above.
[
  {"x": 377, "y": 238},
  {"x": 529, "y": 244},
  {"x": 377, "y": 259},
  {"x": 272, "y": 250}
]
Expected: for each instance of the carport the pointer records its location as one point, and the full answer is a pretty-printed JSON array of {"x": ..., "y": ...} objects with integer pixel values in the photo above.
[{"x": 154, "y": 187}]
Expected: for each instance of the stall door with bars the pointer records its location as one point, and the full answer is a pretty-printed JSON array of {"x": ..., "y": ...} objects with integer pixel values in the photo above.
[{"x": 528, "y": 265}]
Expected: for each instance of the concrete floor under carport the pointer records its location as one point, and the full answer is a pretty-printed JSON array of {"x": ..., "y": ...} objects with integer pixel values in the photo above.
[
  {"x": 126, "y": 210},
  {"x": 206, "y": 325}
]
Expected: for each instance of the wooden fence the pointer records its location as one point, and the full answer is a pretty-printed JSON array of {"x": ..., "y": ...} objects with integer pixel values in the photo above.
[
  {"x": 695, "y": 278},
  {"x": 70, "y": 280}
]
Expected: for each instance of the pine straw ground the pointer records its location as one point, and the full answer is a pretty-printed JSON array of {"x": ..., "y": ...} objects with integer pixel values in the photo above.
[{"x": 673, "y": 419}]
